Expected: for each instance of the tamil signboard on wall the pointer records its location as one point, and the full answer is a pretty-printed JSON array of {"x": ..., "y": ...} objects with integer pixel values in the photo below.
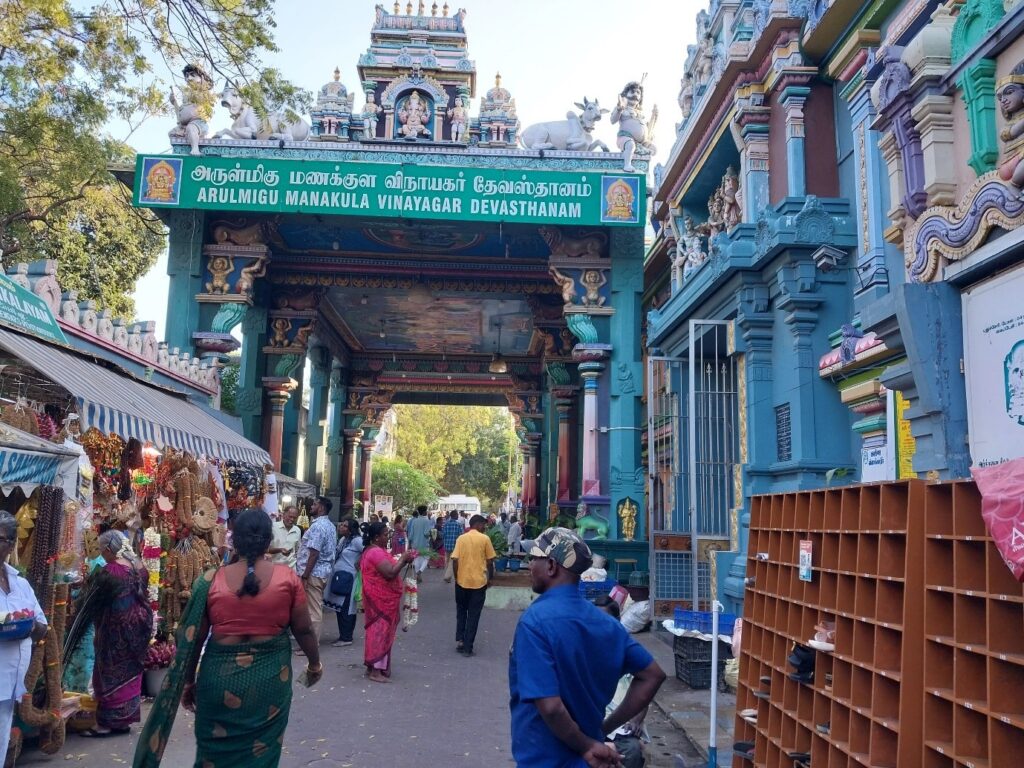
[
  {"x": 22, "y": 309},
  {"x": 390, "y": 190},
  {"x": 993, "y": 317}
]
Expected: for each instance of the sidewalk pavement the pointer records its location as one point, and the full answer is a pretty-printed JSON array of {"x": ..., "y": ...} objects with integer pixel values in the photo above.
[{"x": 689, "y": 709}]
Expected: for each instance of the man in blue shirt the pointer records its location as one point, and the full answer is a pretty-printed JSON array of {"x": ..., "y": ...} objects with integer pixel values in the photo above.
[
  {"x": 450, "y": 531},
  {"x": 418, "y": 532},
  {"x": 565, "y": 662}
]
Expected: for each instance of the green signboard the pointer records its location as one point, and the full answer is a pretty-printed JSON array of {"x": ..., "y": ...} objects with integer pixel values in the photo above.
[
  {"x": 22, "y": 309},
  {"x": 392, "y": 191}
]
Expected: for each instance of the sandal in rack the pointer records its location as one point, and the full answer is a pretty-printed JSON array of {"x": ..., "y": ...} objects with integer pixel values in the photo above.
[{"x": 824, "y": 637}]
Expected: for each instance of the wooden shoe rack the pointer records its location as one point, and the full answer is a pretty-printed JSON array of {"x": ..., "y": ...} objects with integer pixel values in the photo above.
[{"x": 929, "y": 654}]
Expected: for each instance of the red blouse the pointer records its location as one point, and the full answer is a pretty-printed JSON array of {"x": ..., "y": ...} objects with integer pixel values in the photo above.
[{"x": 268, "y": 613}]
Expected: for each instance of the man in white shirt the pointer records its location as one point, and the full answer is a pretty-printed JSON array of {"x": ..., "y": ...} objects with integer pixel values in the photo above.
[
  {"x": 515, "y": 535},
  {"x": 285, "y": 545}
]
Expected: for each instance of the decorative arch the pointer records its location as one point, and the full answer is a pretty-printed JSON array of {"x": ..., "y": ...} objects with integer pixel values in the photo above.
[{"x": 975, "y": 20}]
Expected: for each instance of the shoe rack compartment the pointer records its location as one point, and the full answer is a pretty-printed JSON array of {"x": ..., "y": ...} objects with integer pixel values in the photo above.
[{"x": 928, "y": 666}]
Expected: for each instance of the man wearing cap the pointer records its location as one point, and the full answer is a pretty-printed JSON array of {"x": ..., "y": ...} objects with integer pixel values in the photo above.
[
  {"x": 566, "y": 660},
  {"x": 473, "y": 568}
]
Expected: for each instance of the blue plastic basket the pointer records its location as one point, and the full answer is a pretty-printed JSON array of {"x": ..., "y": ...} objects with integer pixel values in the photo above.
[
  {"x": 17, "y": 630},
  {"x": 700, "y": 621},
  {"x": 591, "y": 590}
]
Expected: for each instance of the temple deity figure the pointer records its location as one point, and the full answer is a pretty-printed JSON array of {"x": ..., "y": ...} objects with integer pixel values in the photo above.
[
  {"x": 371, "y": 115},
  {"x": 627, "y": 518},
  {"x": 566, "y": 284},
  {"x": 635, "y": 130},
  {"x": 686, "y": 95},
  {"x": 732, "y": 211},
  {"x": 691, "y": 241},
  {"x": 1010, "y": 94},
  {"x": 458, "y": 116},
  {"x": 414, "y": 116},
  {"x": 193, "y": 106},
  {"x": 592, "y": 280}
]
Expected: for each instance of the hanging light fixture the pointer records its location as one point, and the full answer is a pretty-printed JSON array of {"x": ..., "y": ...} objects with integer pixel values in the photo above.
[{"x": 498, "y": 363}]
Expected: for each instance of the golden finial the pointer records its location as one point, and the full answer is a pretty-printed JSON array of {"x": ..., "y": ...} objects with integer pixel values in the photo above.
[
  {"x": 497, "y": 80},
  {"x": 397, "y": 8},
  {"x": 444, "y": 10},
  {"x": 422, "y": 9},
  {"x": 337, "y": 74},
  {"x": 433, "y": 10},
  {"x": 408, "y": 8}
]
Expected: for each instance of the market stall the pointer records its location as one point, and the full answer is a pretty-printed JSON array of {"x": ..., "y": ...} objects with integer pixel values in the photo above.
[{"x": 86, "y": 447}]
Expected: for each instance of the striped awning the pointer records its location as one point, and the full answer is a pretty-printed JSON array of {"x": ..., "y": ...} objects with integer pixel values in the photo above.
[
  {"x": 27, "y": 461},
  {"x": 126, "y": 406}
]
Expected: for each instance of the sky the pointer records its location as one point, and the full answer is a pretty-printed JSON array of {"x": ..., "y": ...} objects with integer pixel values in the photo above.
[{"x": 551, "y": 53}]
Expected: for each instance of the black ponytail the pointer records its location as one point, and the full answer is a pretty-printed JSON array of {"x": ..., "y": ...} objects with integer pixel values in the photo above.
[{"x": 251, "y": 539}]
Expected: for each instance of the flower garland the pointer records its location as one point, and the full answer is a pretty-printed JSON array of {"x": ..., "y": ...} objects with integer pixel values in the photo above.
[
  {"x": 152, "y": 556},
  {"x": 410, "y": 600}
]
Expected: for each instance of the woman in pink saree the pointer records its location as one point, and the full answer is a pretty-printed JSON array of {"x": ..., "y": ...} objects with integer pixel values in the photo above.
[{"x": 382, "y": 599}]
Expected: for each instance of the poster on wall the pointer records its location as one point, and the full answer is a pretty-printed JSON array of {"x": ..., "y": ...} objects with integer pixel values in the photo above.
[{"x": 993, "y": 318}]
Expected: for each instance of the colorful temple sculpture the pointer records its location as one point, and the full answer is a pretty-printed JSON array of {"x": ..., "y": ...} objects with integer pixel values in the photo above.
[
  {"x": 406, "y": 250},
  {"x": 838, "y": 229}
]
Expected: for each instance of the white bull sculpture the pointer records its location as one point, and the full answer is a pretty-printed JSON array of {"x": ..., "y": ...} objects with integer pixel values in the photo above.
[
  {"x": 276, "y": 126},
  {"x": 573, "y": 133}
]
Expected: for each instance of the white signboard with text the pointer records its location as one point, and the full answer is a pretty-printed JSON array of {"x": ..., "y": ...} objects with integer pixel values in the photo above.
[{"x": 994, "y": 367}]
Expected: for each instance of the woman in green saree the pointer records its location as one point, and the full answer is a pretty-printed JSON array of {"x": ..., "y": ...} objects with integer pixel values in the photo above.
[{"x": 243, "y": 692}]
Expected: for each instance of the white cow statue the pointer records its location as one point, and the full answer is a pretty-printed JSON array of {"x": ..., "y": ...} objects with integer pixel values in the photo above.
[
  {"x": 276, "y": 126},
  {"x": 573, "y": 133}
]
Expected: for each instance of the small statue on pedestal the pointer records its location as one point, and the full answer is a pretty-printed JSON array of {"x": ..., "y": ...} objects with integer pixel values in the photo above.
[
  {"x": 458, "y": 117},
  {"x": 371, "y": 115},
  {"x": 635, "y": 131},
  {"x": 414, "y": 116},
  {"x": 195, "y": 107}
]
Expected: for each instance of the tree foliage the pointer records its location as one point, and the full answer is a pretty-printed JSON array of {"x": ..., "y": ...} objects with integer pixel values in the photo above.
[
  {"x": 471, "y": 450},
  {"x": 408, "y": 486},
  {"x": 69, "y": 68}
]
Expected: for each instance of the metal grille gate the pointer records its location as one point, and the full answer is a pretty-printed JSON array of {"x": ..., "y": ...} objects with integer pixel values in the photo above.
[{"x": 690, "y": 463}]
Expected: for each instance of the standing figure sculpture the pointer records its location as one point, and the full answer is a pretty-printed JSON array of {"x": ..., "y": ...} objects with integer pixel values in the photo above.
[
  {"x": 414, "y": 116},
  {"x": 371, "y": 115},
  {"x": 458, "y": 116},
  {"x": 1010, "y": 94},
  {"x": 686, "y": 95},
  {"x": 691, "y": 241},
  {"x": 567, "y": 285},
  {"x": 635, "y": 130},
  {"x": 194, "y": 108}
]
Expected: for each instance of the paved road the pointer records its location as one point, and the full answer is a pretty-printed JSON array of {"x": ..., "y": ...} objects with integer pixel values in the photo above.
[{"x": 441, "y": 709}]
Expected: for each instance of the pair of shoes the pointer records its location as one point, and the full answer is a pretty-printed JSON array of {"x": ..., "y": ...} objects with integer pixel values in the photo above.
[
  {"x": 801, "y": 757},
  {"x": 824, "y": 728},
  {"x": 744, "y": 749},
  {"x": 340, "y": 643},
  {"x": 824, "y": 637},
  {"x": 749, "y": 715},
  {"x": 807, "y": 678},
  {"x": 466, "y": 651}
]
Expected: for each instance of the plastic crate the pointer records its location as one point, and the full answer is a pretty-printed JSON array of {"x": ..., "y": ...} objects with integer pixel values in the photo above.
[
  {"x": 695, "y": 649},
  {"x": 591, "y": 590},
  {"x": 700, "y": 621},
  {"x": 695, "y": 674}
]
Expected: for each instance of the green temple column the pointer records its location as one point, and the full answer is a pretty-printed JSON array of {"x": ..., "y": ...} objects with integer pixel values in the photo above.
[
  {"x": 335, "y": 434},
  {"x": 319, "y": 393},
  {"x": 292, "y": 434},
  {"x": 348, "y": 470},
  {"x": 626, "y": 419},
  {"x": 249, "y": 398},
  {"x": 185, "y": 270}
]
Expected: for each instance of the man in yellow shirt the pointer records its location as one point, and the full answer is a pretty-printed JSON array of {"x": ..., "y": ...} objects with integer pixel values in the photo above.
[{"x": 473, "y": 568}]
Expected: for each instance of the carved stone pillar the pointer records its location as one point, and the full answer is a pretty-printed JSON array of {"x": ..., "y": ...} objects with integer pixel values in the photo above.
[
  {"x": 897, "y": 213},
  {"x": 319, "y": 385},
  {"x": 751, "y": 133},
  {"x": 563, "y": 405},
  {"x": 335, "y": 436},
  {"x": 793, "y": 99},
  {"x": 366, "y": 470},
  {"x": 348, "y": 470},
  {"x": 589, "y": 372},
  {"x": 524, "y": 495},
  {"x": 533, "y": 468},
  {"x": 934, "y": 117},
  {"x": 279, "y": 391}
]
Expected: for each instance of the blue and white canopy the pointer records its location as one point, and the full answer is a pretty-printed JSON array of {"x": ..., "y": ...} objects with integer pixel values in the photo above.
[
  {"x": 27, "y": 461},
  {"x": 126, "y": 406}
]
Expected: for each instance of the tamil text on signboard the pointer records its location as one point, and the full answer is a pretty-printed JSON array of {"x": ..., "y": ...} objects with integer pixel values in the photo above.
[{"x": 378, "y": 189}]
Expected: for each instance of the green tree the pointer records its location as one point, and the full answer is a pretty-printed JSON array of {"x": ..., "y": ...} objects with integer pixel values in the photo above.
[
  {"x": 408, "y": 486},
  {"x": 68, "y": 68},
  {"x": 469, "y": 449},
  {"x": 229, "y": 387}
]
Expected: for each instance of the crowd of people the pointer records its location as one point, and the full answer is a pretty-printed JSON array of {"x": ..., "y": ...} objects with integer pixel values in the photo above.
[{"x": 247, "y": 619}]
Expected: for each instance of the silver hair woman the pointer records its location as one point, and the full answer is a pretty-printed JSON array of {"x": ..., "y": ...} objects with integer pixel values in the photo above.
[
  {"x": 15, "y": 594},
  {"x": 123, "y": 629}
]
